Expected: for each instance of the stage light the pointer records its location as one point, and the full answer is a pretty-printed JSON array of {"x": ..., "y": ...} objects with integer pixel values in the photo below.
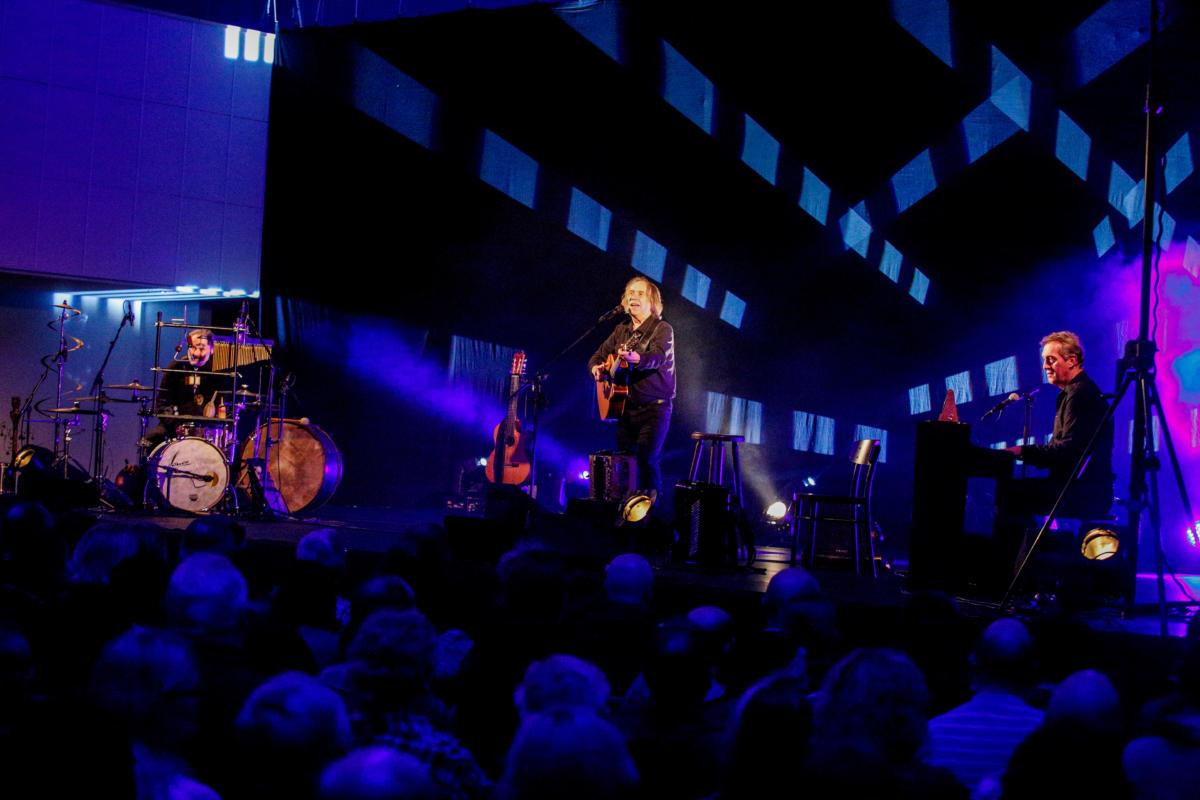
[
  {"x": 810, "y": 481},
  {"x": 186, "y": 289},
  {"x": 1100, "y": 544},
  {"x": 777, "y": 510},
  {"x": 1193, "y": 534},
  {"x": 211, "y": 291},
  {"x": 636, "y": 506},
  {"x": 585, "y": 475},
  {"x": 482, "y": 462}
]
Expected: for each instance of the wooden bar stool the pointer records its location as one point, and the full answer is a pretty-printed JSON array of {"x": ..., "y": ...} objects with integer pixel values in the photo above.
[{"x": 715, "y": 442}]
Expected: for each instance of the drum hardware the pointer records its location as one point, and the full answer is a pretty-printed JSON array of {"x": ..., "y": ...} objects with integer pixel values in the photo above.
[{"x": 133, "y": 386}]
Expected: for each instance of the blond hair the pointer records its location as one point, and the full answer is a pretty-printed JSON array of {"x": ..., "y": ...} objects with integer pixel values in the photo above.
[{"x": 652, "y": 292}]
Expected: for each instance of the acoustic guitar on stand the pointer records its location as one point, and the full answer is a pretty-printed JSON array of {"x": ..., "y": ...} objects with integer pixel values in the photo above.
[
  {"x": 509, "y": 447},
  {"x": 612, "y": 389}
]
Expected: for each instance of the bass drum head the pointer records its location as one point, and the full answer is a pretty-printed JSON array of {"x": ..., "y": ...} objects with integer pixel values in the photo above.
[
  {"x": 190, "y": 474},
  {"x": 305, "y": 465}
]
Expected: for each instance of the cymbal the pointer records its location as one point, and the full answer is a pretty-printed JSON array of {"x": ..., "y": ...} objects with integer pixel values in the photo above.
[
  {"x": 71, "y": 410},
  {"x": 133, "y": 386},
  {"x": 63, "y": 305},
  {"x": 103, "y": 398},
  {"x": 241, "y": 393}
]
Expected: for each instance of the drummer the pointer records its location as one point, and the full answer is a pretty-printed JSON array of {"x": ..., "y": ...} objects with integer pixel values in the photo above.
[{"x": 191, "y": 388}]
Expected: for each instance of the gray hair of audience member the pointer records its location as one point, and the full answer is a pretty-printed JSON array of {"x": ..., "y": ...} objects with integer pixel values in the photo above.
[
  {"x": 1086, "y": 698},
  {"x": 377, "y": 773},
  {"x": 293, "y": 719},
  {"x": 561, "y": 680},
  {"x": 382, "y": 591},
  {"x": 877, "y": 695},
  {"x": 215, "y": 534},
  {"x": 150, "y": 680},
  {"x": 101, "y": 549},
  {"x": 628, "y": 578},
  {"x": 322, "y": 546},
  {"x": 1004, "y": 656},
  {"x": 567, "y": 752},
  {"x": 397, "y": 648},
  {"x": 206, "y": 594}
]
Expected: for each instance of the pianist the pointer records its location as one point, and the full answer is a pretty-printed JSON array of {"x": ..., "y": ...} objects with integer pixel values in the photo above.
[{"x": 1080, "y": 411}]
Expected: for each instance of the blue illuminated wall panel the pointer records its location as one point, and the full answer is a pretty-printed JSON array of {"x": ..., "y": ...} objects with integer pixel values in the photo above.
[
  {"x": 760, "y": 150},
  {"x": 733, "y": 309},
  {"x": 649, "y": 257},
  {"x": 869, "y": 432},
  {"x": 814, "y": 197},
  {"x": 919, "y": 289},
  {"x": 919, "y": 400},
  {"x": 131, "y": 148},
  {"x": 589, "y": 220},
  {"x": 508, "y": 169},
  {"x": 960, "y": 384},
  {"x": 695, "y": 286},
  {"x": 812, "y": 432},
  {"x": 1001, "y": 376},
  {"x": 890, "y": 261},
  {"x": 686, "y": 88}
]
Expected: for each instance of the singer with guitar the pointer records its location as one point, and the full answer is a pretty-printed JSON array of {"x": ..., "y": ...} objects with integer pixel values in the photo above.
[{"x": 639, "y": 357}]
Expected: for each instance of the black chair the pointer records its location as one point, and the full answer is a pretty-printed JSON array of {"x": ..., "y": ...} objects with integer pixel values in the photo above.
[{"x": 853, "y": 510}]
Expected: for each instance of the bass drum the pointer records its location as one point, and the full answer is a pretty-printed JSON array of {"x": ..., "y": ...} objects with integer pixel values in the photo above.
[
  {"x": 190, "y": 474},
  {"x": 305, "y": 468}
]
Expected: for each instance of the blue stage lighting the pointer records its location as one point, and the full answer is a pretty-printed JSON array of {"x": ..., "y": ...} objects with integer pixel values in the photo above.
[
  {"x": 1179, "y": 163},
  {"x": 918, "y": 399},
  {"x": 733, "y": 309},
  {"x": 960, "y": 384},
  {"x": 1001, "y": 376},
  {"x": 856, "y": 229},
  {"x": 920, "y": 286},
  {"x": 1103, "y": 234}
]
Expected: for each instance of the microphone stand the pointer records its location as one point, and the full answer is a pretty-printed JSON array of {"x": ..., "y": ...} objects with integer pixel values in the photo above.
[
  {"x": 1027, "y": 430},
  {"x": 536, "y": 385},
  {"x": 102, "y": 415}
]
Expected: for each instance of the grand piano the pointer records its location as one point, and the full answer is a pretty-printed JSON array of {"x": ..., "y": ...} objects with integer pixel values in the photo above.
[{"x": 958, "y": 541}]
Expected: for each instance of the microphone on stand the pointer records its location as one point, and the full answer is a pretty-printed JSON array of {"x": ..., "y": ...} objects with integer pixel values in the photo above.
[
  {"x": 1012, "y": 398},
  {"x": 616, "y": 312}
]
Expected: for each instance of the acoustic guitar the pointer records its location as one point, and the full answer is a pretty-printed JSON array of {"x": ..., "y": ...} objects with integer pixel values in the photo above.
[
  {"x": 612, "y": 390},
  {"x": 509, "y": 448}
]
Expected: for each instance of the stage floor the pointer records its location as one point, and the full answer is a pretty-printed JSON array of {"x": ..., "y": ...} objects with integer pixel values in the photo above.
[{"x": 374, "y": 530}]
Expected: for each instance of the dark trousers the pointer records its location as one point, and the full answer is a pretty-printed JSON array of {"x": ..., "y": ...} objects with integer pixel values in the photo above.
[{"x": 642, "y": 431}]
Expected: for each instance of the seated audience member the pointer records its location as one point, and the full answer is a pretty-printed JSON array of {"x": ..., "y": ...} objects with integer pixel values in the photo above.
[
  {"x": 561, "y": 681},
  {"x": 377, "y": 773},
  {"x": 976, "y": 739},
  {"x": 568, "y": 752},
  {"x": 1164, "y": 760},
  {"x": 290, "y": 728},
  {"x": 870, "y": 730},
  {"x": 148, "y": 683},
  {"x": 773, "y": 726}
]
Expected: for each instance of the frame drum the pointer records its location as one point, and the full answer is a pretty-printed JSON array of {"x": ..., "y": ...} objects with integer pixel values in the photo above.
[{"x": 305, "y": 468}]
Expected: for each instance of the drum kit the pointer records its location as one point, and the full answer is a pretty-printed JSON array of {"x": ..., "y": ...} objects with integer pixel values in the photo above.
[{"x": 193, "y": 463}]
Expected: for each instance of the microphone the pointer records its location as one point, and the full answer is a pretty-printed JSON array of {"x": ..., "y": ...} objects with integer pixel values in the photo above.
[
  {"x": 1012, "y": 398},
  {"x": 616, "y": 312}
]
